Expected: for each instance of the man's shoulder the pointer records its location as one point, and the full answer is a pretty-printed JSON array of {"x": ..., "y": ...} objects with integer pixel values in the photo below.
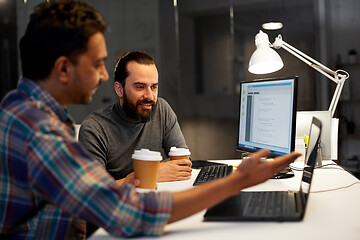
[
  {"x": 27, "y": 116},
  {"x": 19, "y": 108},
  {"x": 164, "y": 110},
  {"x": 99, "y": 115},
  {"x": 163, "y": 104}
]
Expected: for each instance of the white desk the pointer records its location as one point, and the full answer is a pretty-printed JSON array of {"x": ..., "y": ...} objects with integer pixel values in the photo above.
[{"x": 330, "y": 215}]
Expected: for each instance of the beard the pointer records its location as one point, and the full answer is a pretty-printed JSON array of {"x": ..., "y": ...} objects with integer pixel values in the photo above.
[{"x": 134, "y": 112}]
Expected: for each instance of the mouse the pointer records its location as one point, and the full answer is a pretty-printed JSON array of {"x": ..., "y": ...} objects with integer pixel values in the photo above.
[{"x": 286, "y": 173}]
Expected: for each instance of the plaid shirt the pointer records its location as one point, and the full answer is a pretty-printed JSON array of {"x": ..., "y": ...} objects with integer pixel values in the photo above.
[{"x": 49, "y": 185}]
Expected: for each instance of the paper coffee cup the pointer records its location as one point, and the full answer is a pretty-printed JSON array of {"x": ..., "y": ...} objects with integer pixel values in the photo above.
[
  {"x": 146, "y": 166},
  {"x": 179, "y": 153}
]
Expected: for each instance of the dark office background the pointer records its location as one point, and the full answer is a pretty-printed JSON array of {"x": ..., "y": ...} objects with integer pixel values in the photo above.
[
  {"x": 8, "y": 47},
  {"x": 202, "y": 49}
]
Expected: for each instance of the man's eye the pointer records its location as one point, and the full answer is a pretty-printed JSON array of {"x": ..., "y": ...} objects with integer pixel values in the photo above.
[
  {"x": 154, "y": 87},
  {"x": 100, "y": 64}
]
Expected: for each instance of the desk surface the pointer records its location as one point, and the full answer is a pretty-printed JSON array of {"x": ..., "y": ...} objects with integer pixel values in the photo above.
[{"x": 333, "y": 211}]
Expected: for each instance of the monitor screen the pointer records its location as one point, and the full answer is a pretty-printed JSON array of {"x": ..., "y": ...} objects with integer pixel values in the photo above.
[{"x": 267, "y": 115}]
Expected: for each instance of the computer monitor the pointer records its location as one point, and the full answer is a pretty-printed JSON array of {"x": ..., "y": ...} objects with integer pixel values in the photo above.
[{"x": 267, "y": 115}]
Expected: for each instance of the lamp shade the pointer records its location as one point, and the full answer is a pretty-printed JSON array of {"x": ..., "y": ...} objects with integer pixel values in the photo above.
[{"x": 264, "y": 59}]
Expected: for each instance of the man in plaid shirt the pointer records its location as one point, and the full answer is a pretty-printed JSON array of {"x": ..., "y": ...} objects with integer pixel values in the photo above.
[{"x": 49, "y": 185}]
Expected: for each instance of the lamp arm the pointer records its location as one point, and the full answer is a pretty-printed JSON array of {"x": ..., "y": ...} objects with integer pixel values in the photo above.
[
  {"x": 325, "y": 71},
  {"x": 337, "y": 93},
  {"x": 279, "y": 43},
  {"x": 338, "y": 76}
]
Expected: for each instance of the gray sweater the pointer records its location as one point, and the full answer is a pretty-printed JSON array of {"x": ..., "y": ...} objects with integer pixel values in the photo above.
[{"x": 111, "y": 136}]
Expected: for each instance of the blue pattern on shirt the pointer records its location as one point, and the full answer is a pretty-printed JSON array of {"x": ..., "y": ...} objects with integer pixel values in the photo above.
[{"x": 49, "y": 184}]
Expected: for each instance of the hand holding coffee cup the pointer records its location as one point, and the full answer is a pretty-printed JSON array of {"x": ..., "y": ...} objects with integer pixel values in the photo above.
[
  {"x": 179, "y": 153},
  {"x": 178, "y": 168},
  {"x": 146, "y": 166}
]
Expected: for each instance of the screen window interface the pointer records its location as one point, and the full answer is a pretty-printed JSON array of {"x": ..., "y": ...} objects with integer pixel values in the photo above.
[{"x": 266, "y": 115}]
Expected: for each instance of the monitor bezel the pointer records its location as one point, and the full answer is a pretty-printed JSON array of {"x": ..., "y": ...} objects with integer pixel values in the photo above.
[{"x": 293, "y": 132}]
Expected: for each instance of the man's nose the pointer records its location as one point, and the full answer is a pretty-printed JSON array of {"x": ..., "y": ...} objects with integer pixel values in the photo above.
[
  {"x": 148, "y": 94},
  {"x": 104, "y": 75}
]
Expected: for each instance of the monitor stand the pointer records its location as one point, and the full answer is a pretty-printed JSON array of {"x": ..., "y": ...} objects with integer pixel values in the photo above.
[{"x": 286, "y": 173}]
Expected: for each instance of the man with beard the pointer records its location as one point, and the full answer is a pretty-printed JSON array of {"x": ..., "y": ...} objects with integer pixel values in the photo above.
[{"x": 138, "y": 120}]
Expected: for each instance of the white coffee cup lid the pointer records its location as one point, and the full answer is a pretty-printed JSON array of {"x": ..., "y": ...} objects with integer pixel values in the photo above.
[
  {"x": 144, "y": 190},
  {"x": 174, "y": 151},
  {"x": 147, "y": 155}
]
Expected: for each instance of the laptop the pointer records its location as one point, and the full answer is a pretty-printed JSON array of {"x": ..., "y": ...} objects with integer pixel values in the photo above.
[{"x": 272, "y": 205}]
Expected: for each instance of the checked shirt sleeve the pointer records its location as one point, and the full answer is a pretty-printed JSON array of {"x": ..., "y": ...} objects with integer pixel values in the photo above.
[{"x": 63, "y": 173}]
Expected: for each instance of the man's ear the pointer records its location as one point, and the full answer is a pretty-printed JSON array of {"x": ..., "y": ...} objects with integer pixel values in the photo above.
[
  {"x": 62, "y": 69},
  {"x": 119, "y": 89}
]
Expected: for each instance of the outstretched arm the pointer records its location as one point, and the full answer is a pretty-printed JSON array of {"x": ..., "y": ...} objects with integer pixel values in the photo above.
[{"x": 250, "y": 172}]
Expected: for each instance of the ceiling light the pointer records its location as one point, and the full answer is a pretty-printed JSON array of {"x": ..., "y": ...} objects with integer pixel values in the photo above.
[{"x": 272, "y": 25}]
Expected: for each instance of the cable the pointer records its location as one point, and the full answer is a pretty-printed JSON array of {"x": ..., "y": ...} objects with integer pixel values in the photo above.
[
  {"x": 330, "y": 164},
  {"x": 326, "y": 167},
  {"x": 335, "y": 189}
]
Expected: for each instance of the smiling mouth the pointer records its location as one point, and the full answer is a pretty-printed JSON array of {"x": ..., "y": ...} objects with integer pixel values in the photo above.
[{"x": 146, "y": 105}]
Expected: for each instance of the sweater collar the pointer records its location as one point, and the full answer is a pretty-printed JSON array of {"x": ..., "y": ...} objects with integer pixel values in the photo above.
[{"x": 121, "y": 113}]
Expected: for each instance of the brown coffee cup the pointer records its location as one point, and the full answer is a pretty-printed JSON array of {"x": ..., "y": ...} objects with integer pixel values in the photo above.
[
  {"x": 146, "y": 166},
  {"x": 179, "y": 153}
]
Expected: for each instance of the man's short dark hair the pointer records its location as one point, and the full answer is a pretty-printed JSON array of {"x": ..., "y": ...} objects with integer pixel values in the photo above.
[
  {"x": 121, "y": 72},
  {"x": 57, "y": 28}
]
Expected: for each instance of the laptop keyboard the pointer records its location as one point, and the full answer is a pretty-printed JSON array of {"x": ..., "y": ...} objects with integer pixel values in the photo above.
[
  {"x": 210, "y": 173},
  {"x": 267, "y": 204}
]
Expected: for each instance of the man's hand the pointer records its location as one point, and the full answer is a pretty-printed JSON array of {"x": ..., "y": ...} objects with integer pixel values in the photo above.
[
  {"x": 129, "y": 179},
  {"x": 250, "y": 172},
  {"x": 254, "y": 171},
  {"x": 174, "y": 170}
]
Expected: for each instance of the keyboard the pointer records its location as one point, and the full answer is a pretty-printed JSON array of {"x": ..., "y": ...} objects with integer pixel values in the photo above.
[
  {"x": 209, "y": 173},
  {"x": 267, "y": 204}
]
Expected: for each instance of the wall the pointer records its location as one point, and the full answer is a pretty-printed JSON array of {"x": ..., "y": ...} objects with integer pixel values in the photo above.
[
  {"x": 207, "y": 107},
  {"x": 215, "y": 50},
  {"x": 345, "y": 22},
  {"x": 345, "y": 37},
  {"x": 8, "y": 47},
  {"x": 133, "y": 26}
]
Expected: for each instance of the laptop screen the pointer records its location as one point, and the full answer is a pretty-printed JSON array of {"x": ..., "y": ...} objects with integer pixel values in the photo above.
[
  {"x": 267, "y": 115},
  {"x": 311, "y": 155}
]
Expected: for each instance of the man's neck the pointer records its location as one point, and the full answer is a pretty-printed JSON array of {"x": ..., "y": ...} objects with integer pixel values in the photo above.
[{"x": 56, "y": 91}]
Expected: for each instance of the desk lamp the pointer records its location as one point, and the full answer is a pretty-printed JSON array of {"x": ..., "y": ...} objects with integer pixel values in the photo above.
[{"x": 266, "y": 60}]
